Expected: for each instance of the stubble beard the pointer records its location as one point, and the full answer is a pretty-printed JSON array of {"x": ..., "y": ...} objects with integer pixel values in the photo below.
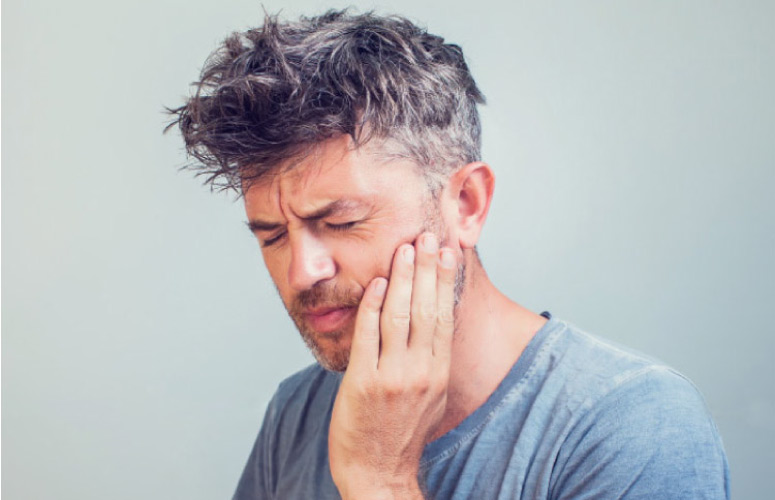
[{"x": 328, "y": 294}]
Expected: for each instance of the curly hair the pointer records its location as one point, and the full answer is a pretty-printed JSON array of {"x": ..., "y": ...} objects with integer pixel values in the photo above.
[{"x": 270, "y": 94}]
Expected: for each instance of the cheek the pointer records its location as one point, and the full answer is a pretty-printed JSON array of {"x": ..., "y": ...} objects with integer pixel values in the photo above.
[
  {"x": 362, "y": 264},
  {"x": 359, "y": 261},
  {"x": 277, "y": 266},
  {"x": 376, "y": 259}
]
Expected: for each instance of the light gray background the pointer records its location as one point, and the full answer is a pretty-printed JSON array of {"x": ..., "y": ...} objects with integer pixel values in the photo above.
[{"x": 634, "y": 144}]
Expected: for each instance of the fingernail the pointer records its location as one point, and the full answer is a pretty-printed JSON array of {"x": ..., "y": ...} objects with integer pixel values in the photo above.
[
  {"x": 447, "y": 258},
  {"x": 409, "y": 255},
  {"x": 429, "y": 243}
]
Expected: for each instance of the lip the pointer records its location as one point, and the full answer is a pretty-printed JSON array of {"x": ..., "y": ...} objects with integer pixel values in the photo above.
[{"x": 328, "y": 319}]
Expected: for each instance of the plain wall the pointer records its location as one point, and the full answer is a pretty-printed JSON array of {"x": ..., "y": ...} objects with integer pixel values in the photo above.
[{"x": 634, "y": 145}]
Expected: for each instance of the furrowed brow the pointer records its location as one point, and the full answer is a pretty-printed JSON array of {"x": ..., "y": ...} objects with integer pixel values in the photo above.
[
  {"x": 337, "y": 207},
  {"x": 259, "y": 225}
]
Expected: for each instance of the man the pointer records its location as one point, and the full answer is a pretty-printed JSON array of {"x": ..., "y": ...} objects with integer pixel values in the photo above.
[{"x": 354, "y": 140}]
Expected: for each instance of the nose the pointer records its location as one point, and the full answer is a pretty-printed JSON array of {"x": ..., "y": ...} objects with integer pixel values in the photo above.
[{"x": 311, "y": 261}]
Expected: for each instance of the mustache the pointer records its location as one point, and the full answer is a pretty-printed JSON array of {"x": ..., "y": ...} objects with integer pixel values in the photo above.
[{"x": 325, "y": 294}]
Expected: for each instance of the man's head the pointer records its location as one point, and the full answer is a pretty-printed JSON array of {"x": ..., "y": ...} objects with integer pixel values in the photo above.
[
  {"x": 333, "y": 223},
  {"x": 272, "y": 93},
  {"x": 344, "y": 134}
]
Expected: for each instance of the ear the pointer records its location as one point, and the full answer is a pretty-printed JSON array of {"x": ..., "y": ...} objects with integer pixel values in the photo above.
[{"x": 470, "y": 191}]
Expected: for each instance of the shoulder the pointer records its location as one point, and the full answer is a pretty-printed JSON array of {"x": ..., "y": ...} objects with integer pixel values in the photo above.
[
  {"x": 591, "y": 370},
  {"x": 311, "y": 378},
  {"x": 310, "y": 390},
  {"x": 640, "y": 427},
  {"x": 296, "y": 420},
  {"x": 594, "y": 355}
]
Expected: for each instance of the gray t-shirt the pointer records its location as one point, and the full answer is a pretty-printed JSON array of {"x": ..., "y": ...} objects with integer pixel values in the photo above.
[{"x": 575, "y": 418}]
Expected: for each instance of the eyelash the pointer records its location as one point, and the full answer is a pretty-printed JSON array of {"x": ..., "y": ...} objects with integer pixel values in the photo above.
[
  {"x": 334, "y": 227},
  {"x": 341, "y": 227},
  {"x": 272, "y": 241}
]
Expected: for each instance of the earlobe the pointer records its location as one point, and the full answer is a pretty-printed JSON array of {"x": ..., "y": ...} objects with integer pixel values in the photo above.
[{"x": 473, "y": 189}]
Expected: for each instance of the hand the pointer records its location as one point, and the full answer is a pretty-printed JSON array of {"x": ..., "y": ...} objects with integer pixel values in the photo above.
[{"x": 394, "y": 391}]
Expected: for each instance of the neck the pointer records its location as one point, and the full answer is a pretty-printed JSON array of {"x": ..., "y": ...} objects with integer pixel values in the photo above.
[{"x": 491, "y": 333}]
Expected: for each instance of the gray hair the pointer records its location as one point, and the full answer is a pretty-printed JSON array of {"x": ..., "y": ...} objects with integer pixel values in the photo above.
[{"x": 271, "y": 94}]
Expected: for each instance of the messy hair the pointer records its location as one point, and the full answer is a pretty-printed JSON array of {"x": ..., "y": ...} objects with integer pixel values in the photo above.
[{"x": 270, "y": 94}]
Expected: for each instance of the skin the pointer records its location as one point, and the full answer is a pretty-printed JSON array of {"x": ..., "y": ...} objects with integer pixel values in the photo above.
[{"x": 345, "y": 238}]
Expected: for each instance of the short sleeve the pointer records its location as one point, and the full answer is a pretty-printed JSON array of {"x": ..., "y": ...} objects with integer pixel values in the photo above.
[
  {"x": 651, "y": 437},
  {"x": 256, "y": 481}
]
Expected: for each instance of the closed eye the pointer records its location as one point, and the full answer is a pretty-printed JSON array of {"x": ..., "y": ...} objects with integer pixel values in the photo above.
[
  {"x": 272, "y": 241},
  {"x": 341, "y": 227}
]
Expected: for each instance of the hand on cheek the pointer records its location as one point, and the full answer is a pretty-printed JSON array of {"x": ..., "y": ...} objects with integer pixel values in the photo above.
[{"x": 393, "y": 394}]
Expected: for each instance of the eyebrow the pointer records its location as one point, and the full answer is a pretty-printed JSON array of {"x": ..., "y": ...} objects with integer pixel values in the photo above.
[
  {"x": 259, "y": 225},
  {"x": 336, "y": 207}
]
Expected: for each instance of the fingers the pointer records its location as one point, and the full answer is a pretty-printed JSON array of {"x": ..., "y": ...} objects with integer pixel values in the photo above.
[
  {"x": 445, "y": 309},
  {"x": 416, "y": 316},
  {"x": 424, "y": 301},
  {"x": 364, "y": 351},
  {"x": 396, "y": 310}
]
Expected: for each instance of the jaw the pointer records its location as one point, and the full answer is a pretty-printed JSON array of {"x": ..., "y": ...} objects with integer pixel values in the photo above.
[{"x": 331, "y": 350}]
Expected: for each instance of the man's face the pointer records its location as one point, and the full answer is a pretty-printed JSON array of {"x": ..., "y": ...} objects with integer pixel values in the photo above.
[{"x": 330, "y": 225}]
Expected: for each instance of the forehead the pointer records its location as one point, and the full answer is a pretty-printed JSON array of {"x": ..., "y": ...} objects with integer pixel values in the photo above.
[{"x": 334, "y": 170}]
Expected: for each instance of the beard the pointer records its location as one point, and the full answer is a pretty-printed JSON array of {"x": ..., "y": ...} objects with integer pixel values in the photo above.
[
  {"x": 328, "y": 294},
  {"x": 325, "y": 294}
]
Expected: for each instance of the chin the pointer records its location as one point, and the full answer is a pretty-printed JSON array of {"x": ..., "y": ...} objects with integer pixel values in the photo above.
[
  {"x": 332, "y": 351},
  {"x": 337, "y": 362}
]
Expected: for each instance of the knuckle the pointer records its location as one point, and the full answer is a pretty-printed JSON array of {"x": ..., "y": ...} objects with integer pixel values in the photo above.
[
  {"x": 427, "y": 312},
  {"x": 392, "y": 387},
  {"x": 437, "y": 387},
  {"x": 399, "y": 319},
  {"x": 445, "y": 317},
  {"x": 364, "y": 386},
  {"x": 440, "y": 382},
  {"x": 421, "y": 385}
]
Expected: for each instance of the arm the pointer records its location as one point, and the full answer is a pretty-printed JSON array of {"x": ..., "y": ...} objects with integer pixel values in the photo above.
[{"x": 394, "y": 391}]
